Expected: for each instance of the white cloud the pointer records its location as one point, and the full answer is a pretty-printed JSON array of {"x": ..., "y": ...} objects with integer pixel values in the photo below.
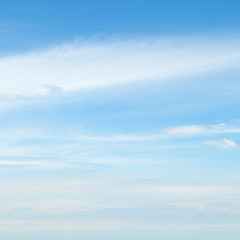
[
  {"x": 41, "y": 164},
  {"x": 194, "y": 130},
  {"x": 186, "y": 130},
  {"x": 90, "y": 224},
  {"x": 187, "y": 190},
  {"x": 224, "y": 143},
  {"x": 92, "y": 65},
  {"x": 122, "y": 138},
  {"x": 60, "y": 205},
  {"x": 87, "y": 186},
  {"x": 227, "y": 206},
  {"x": 178, "y": 132},
  {"x": 13, "y": 135}
]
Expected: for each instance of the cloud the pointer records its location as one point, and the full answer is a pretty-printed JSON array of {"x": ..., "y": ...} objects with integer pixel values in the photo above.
[
  {"x": 224, "y": 143},
  {"x": 194, "y": 130},
  {"x": 88, "y": 187},
  {"x": 219, "y": 205},
  {"x": 59, "y": 205},
  {"x": 187, "y": 190},
  {"x": 90, "y": 224},
  {"x": 122, "y": 138},
  {"x": 172, "y": 132},
  {"x": 32, "y": 163},
  {"x": 191, "y": 130},
  {"x": 90, "y": 65},
  {"x": 17, "y": 135}
]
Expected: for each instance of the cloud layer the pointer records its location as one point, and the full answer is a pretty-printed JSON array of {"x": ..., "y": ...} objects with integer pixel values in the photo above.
[
  {"x": 101, "y": 64},
  {"x": 143, "y": 161},
  {"x": 175, "y": 132}
]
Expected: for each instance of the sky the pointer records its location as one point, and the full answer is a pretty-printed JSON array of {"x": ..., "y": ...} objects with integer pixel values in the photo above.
[{"x": 119, "y": 120}]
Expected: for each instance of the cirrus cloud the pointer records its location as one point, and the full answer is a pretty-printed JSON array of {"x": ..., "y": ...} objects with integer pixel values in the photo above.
[{"x": 101, "y": 64}]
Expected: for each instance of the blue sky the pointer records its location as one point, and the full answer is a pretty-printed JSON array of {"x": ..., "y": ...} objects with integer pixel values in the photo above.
[{"x": 119, "y": 120}]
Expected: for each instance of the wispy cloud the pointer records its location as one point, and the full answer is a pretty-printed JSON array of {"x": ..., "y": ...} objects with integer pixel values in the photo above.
[
  {"x": 16, "y": 135},
  {"x": 185, "y": 131},
  {"x": 171, "y": 132},
  {"x": 88, "y": 224},
  {"x": 41, "y": 164},
  {"x": 101, "y": 64},
  {"x": 219, "y": 205},
  {"x": 189, "y": 190},
  {"x": 224, "y": 143}
]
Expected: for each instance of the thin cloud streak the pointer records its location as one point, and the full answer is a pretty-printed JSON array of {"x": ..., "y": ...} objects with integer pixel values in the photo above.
[
  {"x": 32, "y": 164},
  {"x": 188, "y": 190},
  {"x": 84, "y": 224},
  {"x": 109, "y": 187},
  {"x": 225, "y": 143},
  {"x": 171, "y": 132},
  {"x": 96, "y": 65}
]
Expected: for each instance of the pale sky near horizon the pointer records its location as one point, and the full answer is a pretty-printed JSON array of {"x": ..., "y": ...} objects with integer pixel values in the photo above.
[{"x": 119, "y": 120}]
